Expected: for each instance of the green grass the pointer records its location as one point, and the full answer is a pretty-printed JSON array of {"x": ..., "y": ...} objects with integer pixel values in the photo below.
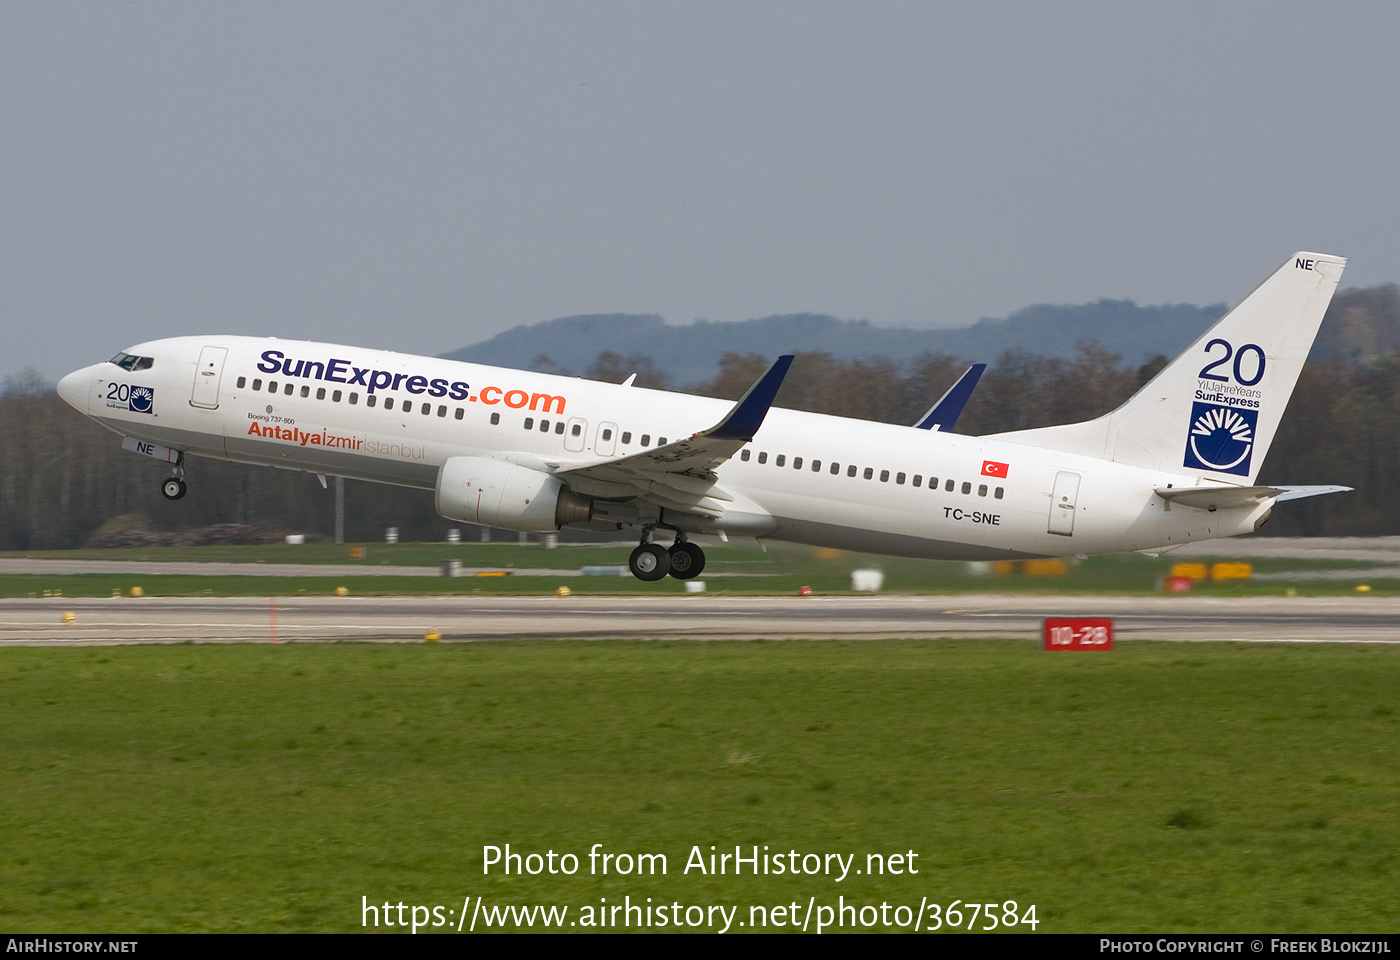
[
  {"x": 374, "y": 554},
  {"x": 732, "y": 568},
  {"x": 1155, "y": 788}
]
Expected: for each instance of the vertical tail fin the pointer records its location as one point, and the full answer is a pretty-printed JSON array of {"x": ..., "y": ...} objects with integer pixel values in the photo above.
[{"x": 1214, "y": 410}]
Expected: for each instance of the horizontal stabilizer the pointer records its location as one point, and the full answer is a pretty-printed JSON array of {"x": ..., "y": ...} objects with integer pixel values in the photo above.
[
  {"x": 1298, "y": 493},
  {"x": 1220, "y": 496}
]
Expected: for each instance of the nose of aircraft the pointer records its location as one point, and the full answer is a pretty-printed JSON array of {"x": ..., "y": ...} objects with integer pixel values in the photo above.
[{"x": 75, "y": 389}]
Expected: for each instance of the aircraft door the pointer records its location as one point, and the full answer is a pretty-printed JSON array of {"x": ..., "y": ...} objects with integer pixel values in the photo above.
[
  {"x": 207, "y": 376},
  {"x": 575, "y": 433},
  {"x": 607, "y": 440},
  {"x": 1062, "y": 504}
]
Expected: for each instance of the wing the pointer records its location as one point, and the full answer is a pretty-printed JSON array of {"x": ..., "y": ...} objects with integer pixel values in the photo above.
[{"x": 681, "y": 475}]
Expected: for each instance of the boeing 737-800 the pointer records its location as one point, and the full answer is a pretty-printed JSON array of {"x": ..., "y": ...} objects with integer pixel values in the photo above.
[{"x": 534, "y": 452}]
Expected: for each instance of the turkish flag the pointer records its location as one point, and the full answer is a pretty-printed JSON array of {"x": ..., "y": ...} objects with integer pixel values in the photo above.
[{"x": 990, "y": 468}]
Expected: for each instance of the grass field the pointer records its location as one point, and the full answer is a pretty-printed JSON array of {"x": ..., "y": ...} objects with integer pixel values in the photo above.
[
  {"x": 738, "y": 567},
  {"x": 259, "y": 788}
]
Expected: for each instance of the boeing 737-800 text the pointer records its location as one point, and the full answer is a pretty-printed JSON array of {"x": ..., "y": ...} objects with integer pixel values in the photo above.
[{"x": 530, "y": 451}]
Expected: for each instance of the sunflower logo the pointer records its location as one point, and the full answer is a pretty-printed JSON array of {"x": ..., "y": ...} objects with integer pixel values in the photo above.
[
  {"x": 1221, "y": 439},
  {"x": 140, "y": 399}
]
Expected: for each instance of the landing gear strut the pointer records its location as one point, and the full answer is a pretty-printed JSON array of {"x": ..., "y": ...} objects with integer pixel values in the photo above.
[{"x": 173, "y": 488}]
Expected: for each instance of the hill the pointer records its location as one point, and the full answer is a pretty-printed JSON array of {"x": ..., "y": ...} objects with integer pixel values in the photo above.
[{"x": 690, "y": 353}]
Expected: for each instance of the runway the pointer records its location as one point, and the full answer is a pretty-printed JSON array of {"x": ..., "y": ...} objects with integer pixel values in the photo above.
[{"x": 124, "y": 620}]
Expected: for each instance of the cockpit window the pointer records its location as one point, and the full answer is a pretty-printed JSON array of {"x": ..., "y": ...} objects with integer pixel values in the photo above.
[{"x": 129, "y": 361}]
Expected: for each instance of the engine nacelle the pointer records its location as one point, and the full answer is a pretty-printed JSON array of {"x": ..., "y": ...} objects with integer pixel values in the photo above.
[{"x": 498, "y": 493}]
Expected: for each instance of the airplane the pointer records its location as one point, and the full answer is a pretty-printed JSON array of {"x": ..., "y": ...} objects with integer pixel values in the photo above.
[{"x": 1175, "y": 464}]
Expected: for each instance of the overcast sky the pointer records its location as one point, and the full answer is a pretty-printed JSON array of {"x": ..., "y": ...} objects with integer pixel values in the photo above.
[{"x": 421, "y": 176}]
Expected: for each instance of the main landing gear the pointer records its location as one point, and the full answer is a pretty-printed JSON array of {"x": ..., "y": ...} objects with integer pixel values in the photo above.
[
  {"x": 173, "y": 488},
  {"x": 651, "y": 561}
]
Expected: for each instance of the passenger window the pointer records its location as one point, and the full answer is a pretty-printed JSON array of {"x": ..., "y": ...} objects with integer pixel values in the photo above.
[
  {"x": 646, "y": 439},
  {"x": 442, "y": 411},
  {"x": 869, "y": 473},
  {"x": 744, "y": 455},
  {"x": 427, "y": 409},
  {"x": 530, "y": 425},
  {"x": 607, "y": 432},
  {"x": 948, "y": 486},
  {"x": 242, "y": 382},
  {"x": 661, "y": 441},
  {"x": 763, "y": 457},
  {"x": 998, "y": 492},
  {"x": 851, "y": 470},
  {"x": 835, "y": 469},
  {"x": 354, "y": 397},
  {"x": 495, "y": 419},
  {"x": 305, "y": 391},
  {"x": 780, "y": 460},
  {"x": 288, "y": 389},
  {"x": 899, "y": 478},
  {"x": 459, "y": 413},
  {"x": 797, "y": 463},
  {"x": 575, "y": 432},
  {"x": 272, "y": 386},
  {"x": 320, "y": 393},
  {"x": 257, "y": 384},
  {"x": 982, "y": 490},
  {"x": 967, "y": 488},
  {"x": 918, "y": 479},
  {"x": 816, "y": 466},
  {"x": 335, "y": 396},
  {"x": 559, "y": 427},
  {"x": 627, "y": 436},
  {"x": 884, "y": 476},
  {"x": 544, "y": 426}
]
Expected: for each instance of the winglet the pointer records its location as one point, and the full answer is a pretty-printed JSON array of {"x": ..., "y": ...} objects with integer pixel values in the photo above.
[
  {"x": 943, "y": 414},
  {"x": 747, "y": 416}
]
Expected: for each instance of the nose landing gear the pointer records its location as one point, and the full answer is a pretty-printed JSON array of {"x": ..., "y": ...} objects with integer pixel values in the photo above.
[{"x": 173, "y": 488}]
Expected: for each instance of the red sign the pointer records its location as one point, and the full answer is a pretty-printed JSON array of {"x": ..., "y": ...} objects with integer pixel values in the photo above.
[
  {"x": 990, "y": 468},
  {"x": 1079, "y": 633}
]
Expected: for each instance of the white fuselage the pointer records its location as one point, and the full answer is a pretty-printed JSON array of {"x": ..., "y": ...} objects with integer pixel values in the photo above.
[{"x": 396, "y": 418}]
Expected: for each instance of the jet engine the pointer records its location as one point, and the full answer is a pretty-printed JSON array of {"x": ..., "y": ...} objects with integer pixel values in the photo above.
[{"x": 498, "y": 493}]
